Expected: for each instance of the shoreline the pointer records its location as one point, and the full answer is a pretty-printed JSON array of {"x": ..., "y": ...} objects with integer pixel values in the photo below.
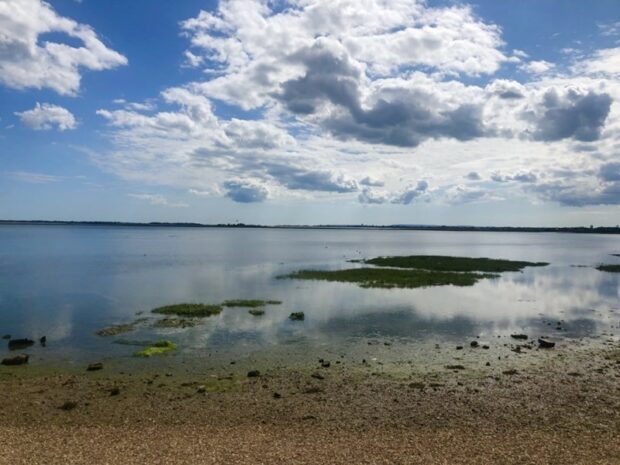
[{"x": 561, "y": 406}]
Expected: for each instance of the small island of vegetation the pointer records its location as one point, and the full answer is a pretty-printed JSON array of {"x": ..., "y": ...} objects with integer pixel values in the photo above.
[
  {"x": 185, "y": 309},
  {"x": 447, "y": 263}
]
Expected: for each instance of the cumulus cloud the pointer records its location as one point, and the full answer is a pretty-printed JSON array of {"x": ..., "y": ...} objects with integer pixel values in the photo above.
[
  {"x": 411, "y": 193},
  {"x": 573, "y": 114},
  {"x": 29, "y": 59},
  {"x": 527, "y": 177},
  {"x": 537, "y": 67},
  {"x": 245, "y": 191},
  {"x": 46, "y": 116}
]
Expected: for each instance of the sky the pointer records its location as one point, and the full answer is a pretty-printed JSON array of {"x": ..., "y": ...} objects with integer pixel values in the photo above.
[{"x": 311, "y": 111}]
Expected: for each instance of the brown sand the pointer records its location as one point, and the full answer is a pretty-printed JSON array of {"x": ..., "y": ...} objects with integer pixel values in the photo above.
[{"x": 563, "y": 411}]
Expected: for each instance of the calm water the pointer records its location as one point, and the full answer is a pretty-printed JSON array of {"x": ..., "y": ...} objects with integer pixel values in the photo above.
[{"x": 67, "y": 282}]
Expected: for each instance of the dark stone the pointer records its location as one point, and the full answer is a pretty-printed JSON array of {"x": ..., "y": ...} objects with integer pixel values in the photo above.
[
  {"x": 455, "y": 367},
  {"x": 17, "y": 360},
  {"x": 18, "y": 344},
  {"x": 6, "y": 336},
  {"x": 488, "y": 364},
  {"x": 43, "y": 341},
  {"x": 459, "y": 347},
  {"x": 519, "y": 336},
  {"x": 95, "y": 366},
  {"x": 510, "y": 372},
  {"x": 277, "y": 395},
  {"x": 253, "y": 374},
  {"x": 297, "y": 316},
  {"x": 485, "y": 346},
  {"x": 317, "y": 376},
  {"x": 545, "y": 343},
  {"x": 325, "y": 364},
  {"x": 474, "y": 344},
  {"x": 115, "y": 391},
  {"x": 69, "y": 405}
]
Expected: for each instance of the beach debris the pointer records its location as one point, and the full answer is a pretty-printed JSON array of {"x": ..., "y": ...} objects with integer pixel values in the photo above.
[
  {"x": 459, "y": 347},
  {"x": 95, "y": 366},
  {"x": 325, "y": 363},
  {"x": 253, "y": 374},
  {"x": 18, "y": 344},
  {"x": 277, "y": 395},
  {"x": 17, "y": 360},
  {"x": 510, "y": 372},
  {"x": 519, "y": 336},
  {"x": 455, "y": 367},
  {"x": 297, "y": 316},
  {"x": 486, "y": 346},
  {"x": 202, "y": 389},
  {"x": 115, "y": 391},
  {"x": 474, "y": 344},
  {"x": 317, "y": 376},
  {"x": 43, "y": 340},
  {"x": 544, "y": 343}
]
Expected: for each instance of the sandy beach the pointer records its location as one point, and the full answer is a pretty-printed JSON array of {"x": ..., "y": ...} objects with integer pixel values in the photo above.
[{"x": 562, "y": 406}]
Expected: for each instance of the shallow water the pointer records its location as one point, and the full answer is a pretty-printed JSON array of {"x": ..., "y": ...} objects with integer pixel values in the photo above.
[{"x": 66, "y": 282}]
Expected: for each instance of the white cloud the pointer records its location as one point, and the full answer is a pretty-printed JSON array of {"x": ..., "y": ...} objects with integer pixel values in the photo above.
[
  {"x": 537, "y": 67},
  {"x": 157, "y": 199},
  {"x": 46, "y": 116},
  {"x": 29, "y": 59},
  {"x": 35, "y": 178}
]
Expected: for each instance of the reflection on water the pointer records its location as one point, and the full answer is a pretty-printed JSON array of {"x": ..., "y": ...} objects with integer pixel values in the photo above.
[{"x": 66, "y": 282}]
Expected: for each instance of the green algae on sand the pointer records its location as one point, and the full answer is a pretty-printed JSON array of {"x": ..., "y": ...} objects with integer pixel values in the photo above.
[
  {"x": 253, "y": 303},
  {"x": 391, "y": 278},
  {"x": 448, "y": 263},
  {"x": 158, "y": 348},
  {"x": 120, "y": 329},
  {"x": 189, "y": 309}
]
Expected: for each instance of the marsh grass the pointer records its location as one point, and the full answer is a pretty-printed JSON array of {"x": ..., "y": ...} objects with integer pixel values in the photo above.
[
  {"x": 158, "y": 348},
  {"x": 391, "y": 278},
  {"x": 609, "y": 268},
  {"x": 190, "y": 310},
  {"x": 175, "y": 323},
  {"x": 447, "y": 263},
  {"x": 253, "y": 303},
  {"x": 256, "y": 311}
]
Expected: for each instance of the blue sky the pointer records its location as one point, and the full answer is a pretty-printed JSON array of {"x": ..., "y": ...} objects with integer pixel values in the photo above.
[{"x": 403, "y": 111}]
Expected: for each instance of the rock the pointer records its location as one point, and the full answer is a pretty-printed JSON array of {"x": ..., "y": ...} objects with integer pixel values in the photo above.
[
  {"x": 6, "y": 336},
  {"x": 17, "y": 344},
  {"x": 43, "y": 340},
  {"x": 519, "y": 336},
  {"x": 17, "y": 360},
  {"x": 510, "y": 372},
  {"x": 297, "y": 316},
  {"x": 545, "y": 343},
  {"x": 277, "y": 395},
  {"x": 313, "y": 390},
  {"x": 455, "y": 367},
  {"x": 69, "y": 405},
  {"x": 488, "y": 364},
  {"x": 253, "y": 374},
  {"x": 474, "y": 344},
  {"x": 325, "y": 364},
  {"x": 95, "y": 366},
  {"x": 317, "y": 376},
  {"x": 115, "y": 391},
  {"x": 486, "y": 346},
  {"x": 459, "y": 347},
  {"x": 201, "y": 389}
]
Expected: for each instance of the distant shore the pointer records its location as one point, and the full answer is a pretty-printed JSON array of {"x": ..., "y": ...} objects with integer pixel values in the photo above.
[
  {"x": 400, "y": 227},
  {"x": 552, "y": 406}
]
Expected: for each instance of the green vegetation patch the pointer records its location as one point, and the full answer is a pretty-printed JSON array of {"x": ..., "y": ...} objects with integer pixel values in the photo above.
[
  {"x": 175, "y": 323},
  {"x": 192, "y": 310},
  {"x": 158, "y": 348},
  {"x": 609, "y": 268},
  {"x": 250, "y": 303},
  {"x": 446, "y": 263},
  {"x": 256, "y": 312},
  {"x": 297, "y": 316},
  {"x": 120, "y": 329},
  {"x": 390, "y": 277}
]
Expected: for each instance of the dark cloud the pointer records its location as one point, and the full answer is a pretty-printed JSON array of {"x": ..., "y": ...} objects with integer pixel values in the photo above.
[
  {"x": 609, "y": 194},
  {"x": 473, "y": 176},
  {"x": 412, "y": 193},
  {"x": 244, "y": 192},
  {"x": 300, "y": 179},
  {"x": 371, "y": 182},
  {"x": 519, "y": 177},
  {"x": 574, "y": 115},
  {"x": 367, "y": 196},
  {"x": 610, "y": 172},
  {"x": 401, "y": 117}
]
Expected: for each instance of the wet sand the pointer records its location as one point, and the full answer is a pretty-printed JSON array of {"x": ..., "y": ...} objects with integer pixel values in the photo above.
[{"x": 561, "y": 406}]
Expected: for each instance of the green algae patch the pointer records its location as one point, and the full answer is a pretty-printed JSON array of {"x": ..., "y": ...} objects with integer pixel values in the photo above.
[
  {"x": 158, "y": 348},
  {"x": 447, "y": 263},
  {"x": 120, "y": 329},
  {"x": 391, "y": 278},
  {"x": 609, "y": 268},
  {"x": 253, "y": 303},
  {"x": 256, "y": 312},
  {"x": 175, "y": 323},
  {"x": 297, "y": 316},
  {"x": 190, "y": 310}
]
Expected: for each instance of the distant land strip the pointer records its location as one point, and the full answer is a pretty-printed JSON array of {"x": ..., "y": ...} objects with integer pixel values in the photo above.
[{"x": 412, "y": 227}]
